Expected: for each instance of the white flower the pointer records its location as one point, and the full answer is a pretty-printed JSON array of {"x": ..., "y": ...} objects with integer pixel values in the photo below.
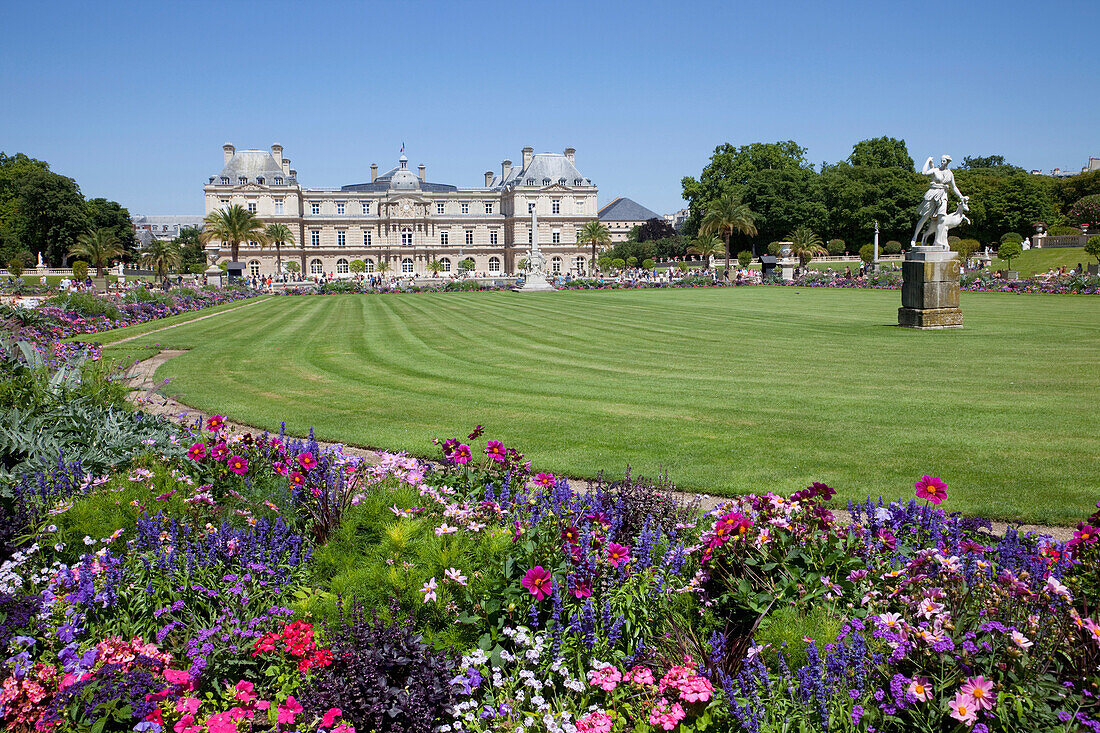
[{"x": 88, "y": 540}]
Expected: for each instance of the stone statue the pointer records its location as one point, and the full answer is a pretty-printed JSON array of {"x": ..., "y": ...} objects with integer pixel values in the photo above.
[
  {"x": 933, "y": 209},
  {"x": 1027, "y": 243}
]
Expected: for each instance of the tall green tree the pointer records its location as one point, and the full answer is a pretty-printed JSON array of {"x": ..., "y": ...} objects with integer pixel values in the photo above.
[
  {"x": 855, "y": 197},
  {"x": 990, "y": 163},
  {"x": 783, "y": 200},
  {"x": 97, "y": 247},
  {"x": 161, "y": 255},
  {"x": 110, "y": 215},
  {"x": 51, "y": 215},
  {"x": 233, "y": 224},
  {"x": 881, "y": 152},
  {"x": 192, "y": 253},
  {"x": 726, "y": 215},
  {"x": 595, "y": 234},
  {"x": 279, "y": 234}
]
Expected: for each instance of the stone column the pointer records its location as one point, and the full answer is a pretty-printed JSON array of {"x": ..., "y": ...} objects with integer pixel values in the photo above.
[{"x": 930, "y": 291}]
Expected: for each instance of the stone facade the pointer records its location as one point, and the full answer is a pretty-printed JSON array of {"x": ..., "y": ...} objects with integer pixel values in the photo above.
[{"x": 401, "y": 218}]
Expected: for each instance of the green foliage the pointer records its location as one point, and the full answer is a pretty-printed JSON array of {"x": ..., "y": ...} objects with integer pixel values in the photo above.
[
  {"x": 112, "y": 216},
  {"x": 707, "y": 247},
  {"x": 655, "y": 229},
  {"x": 881, "y": 152},
  {"x": 86, "y": 304},
  {"x": 867, "y": 253},
  {"x": 1011, "y": 237},
  {"x": 15, "y": 266},
  {"x": 627, "y": 250},
  {"x": 786, "y": 629},
  {"x": 892, "y": 248},
  {"x": 293, "y": 266},
  {"x": 162, "y": 255},
  {"x": 774, "y": 248},
  {"x": 618, "y": 263},
  {"x": 835, "y": 247},
  {"x": 233, "y": 224},
  {"x": 744, "y": 258},
  {"x": 1086, "y": 210},
  {"x": 40, "y": 211},
  {"x": 465, "y": 265},
  {"x": 1064, "y": 231},
  {"x": 648, "y": 264},
  {"x": 192, "y": 253},
  {"x": 80, "y": 269},
  {"x": 1009, "y": 251},
  {"x": 357, "y": 266},
  {"x": 994, "y": 163},
  {"x": 98, "y": 246},
  {"x": 805, "y": 245},
  {"x": 965, "y": 247},
  {"x": 1092, "y": 247}
]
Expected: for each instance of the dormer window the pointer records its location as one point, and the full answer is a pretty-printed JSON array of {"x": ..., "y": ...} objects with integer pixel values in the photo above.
[
  {"x": 225, "y": 180},
  {"x": 241, "y": 180},
  {"x": 561, "y": 181},
  {"x": 530, "y": 181},
  {"x": 278, "y": 180},
  {"x": 576, "y": 181},
  {"x": 546, "y": 181},
  {"x": 260, "y": 180}
]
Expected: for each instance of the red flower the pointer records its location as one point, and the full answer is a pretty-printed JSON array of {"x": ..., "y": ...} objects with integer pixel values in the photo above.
[
  {"x": 215, "y": 423},
  {"x": 539, "y": 582},
  {"x": 297, "y": 479},
  {"x": 197, "y": 452},
  {"x": 238, "y": 465}
]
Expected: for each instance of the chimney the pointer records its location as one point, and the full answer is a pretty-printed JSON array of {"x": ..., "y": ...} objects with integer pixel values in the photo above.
[
  {"x": 570, "y": 153},
  {"x": 488, "y": 178},
  {"x": 420, "y": 172},
  {"x": 505, "y": 169},
  {"x": 293, "y": 173},
  {"x": 277, "y": 153},
  {"x": 373, "y": 172},
  {"x": 528, "y": 155},
  {"x": 228, "y": 149},
  {"x": 286, "y": 166}
]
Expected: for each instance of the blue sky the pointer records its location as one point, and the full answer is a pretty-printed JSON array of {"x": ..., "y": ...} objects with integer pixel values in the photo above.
[{"x": 135, "y": 100}]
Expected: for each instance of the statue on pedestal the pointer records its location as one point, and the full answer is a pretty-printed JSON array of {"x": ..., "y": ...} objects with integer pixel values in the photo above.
[{"x": 933, "y": 209}]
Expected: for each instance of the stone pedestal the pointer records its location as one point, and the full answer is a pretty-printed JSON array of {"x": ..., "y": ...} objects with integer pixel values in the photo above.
[
  {"x": 930, "y": 291},
  {"x": 535, "y": 282}
]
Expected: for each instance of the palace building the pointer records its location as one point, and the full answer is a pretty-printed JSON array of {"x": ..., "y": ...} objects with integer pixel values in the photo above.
[{"x": 402, "y": 219}]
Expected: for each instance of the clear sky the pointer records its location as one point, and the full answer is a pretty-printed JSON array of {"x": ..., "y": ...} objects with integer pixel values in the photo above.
[{"x": 135, "y": 100}]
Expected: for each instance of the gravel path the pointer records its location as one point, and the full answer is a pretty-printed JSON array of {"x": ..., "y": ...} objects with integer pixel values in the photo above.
[{"x": 142, "y": 377}]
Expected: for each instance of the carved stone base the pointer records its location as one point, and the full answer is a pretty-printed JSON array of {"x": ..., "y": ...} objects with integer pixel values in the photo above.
[
  {"x": 929, "y": 318},
  {"x": 535, "y": 282}
]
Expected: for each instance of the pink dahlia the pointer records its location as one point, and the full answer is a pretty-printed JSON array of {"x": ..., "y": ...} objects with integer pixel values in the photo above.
[
  {"x": 215, "y": 423},
  {"x": 238, "y": 465},
  {"x": 539, "y": 582},
  {"x": 545, "y": 479},
  {"x": 495, "y": 450},
  {"x": 306, "y": 460},
  {"x": 197, "y": 452},
  {"x": 461, "y": 454},
  {"x": 931, "y": 488},
  {"x": 617, "y": 554},
  {"x": 220, "y": 451},
  {"x": 980, "y": 691}
]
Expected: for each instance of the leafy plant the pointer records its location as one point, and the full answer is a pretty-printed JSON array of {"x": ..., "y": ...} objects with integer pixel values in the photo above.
[{"x": 1009, "y": 251}]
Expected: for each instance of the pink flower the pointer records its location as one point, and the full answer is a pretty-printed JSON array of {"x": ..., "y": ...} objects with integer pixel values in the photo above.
[
  {"x": 289, "y": 710},
  {"x": 642, "y": 676},
  {"x": 279, "y": 467},
  {"x": 238, "y": 465},
  {"x": 595, "y": 722},
  {"x": 1093, "y": 630},
  {"x": 495, "y": 450},
  {"x": 344, "y": 728},
  {"x": 177, "y": 677},
  {"x": 920, "y": 689},
  {"x": 582, "y": 589},
  {"x": 931, "y": 488},
  {"x": 188, "y": 705},
  {"x": 538, "y": 582},
  {"x": 306, "y": 460},
  {"x": 220, "y": 451},
  {"x": 461, "y": 454},
  {"x": 665, "y": 715},
  {"x": 184, "y": 724},
  {"x": 429, "y": 590},
  {"x": 331, "y": 716},
  {"x": 215, "y": 423},
  {"x": 980, "y": 691},
  {"x": 197, "y": 452},
  {"x": 607, "y": 678},
  {"x": 297, "y": 479},
  {"x": 545, "y": 479},
  {"x": 1020, "y": 640},
  {"x": 888, "y": 538},
  {"x": 963, "y": 709},
  {"x": 618, "y": 555},
  {"x": 244, "y": 691}
]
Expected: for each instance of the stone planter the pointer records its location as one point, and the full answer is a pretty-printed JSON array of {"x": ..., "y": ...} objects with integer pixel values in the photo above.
[{"x": 1012, "y": 275}]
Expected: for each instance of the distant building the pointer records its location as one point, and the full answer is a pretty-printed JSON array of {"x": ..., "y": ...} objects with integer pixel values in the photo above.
[
  {"x": 677, "y": 219},
  {"x": 622, "y": 215},
  {"x": 1094, "y": 165},
  {"x": 148, "y": 228},
  {"x": 402, "y": 219}
]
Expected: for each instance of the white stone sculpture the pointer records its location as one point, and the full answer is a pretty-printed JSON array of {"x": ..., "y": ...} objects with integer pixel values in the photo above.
[{"x": 933, "y": 209}]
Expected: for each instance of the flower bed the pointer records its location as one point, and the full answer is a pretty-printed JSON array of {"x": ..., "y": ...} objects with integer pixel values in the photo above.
[{"x": 268, "y": 583}]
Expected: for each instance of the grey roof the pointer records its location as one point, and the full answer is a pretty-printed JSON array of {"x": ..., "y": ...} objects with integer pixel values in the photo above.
[
  {"x": 182, "y": 220},
  {"x": 251, "y": 164},
  {"x": 624, "y": 209},
  {"x": 399, "y": 178},
  {"x": 545, "y": 169}
]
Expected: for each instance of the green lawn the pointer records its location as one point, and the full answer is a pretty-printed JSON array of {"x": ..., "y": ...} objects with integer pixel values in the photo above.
[
  {"x": 730, "y": 390},
  {"x": 1035, "y": 261}
]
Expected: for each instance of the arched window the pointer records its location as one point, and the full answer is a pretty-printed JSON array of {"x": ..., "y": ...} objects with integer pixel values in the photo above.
[
  {"x": 446, "y": 262},
  {"x": 370, "y": 264},
  {"x": 407, "y": 266},
  {"x": 555, "y": 265},
  {"x": 278, "y": 180},
  {"x": 406, "y": 237},
  {"x": 316, "y": 268},
  {"x": 494, "y": 264},
  {"x": 254, "y": 268},
  {"x": 578, "y": 264},
  {"x": 342, "y": 267}
]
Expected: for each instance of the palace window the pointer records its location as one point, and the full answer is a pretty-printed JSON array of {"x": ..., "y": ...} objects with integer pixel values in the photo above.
[
  {"x": 555, "y": 236},
  {"x": 465, "y": 208},
  {"x": 407, "y": 266},
  {"x": 546, "y": 181},
  {"x": 366, "y": 207},
  {"x": 555, "y": 206},
  {"x": 315, "y": 237},
  {"x": 340, "y": 208},
  {"x": 225, "y": 180},
  {"x": 278, "y": 180},
  {"x": 251, "y": 244},
  {"x": 406, "y": 237},
  {"x": 443, "y": 239},
  {"x": 492, "y": 236},
  {"x": 580, "y": 204},
  {"x": 369, "y": 263},
  {"x": 578, "y": 264},
  {"x": 341, "y": 238},
  {"x": 315, "y": 208},
  {"x": 278, "y": 206},
  {"x": 225, "y": 203},
  {"x": 555, "y": 265},
  {"x": 530, "y": 206},
  {"x": 254, "y": 268},
  {"x": 366, "y": 239},
  {"x": 440, "y": 207},
  {"x": 489, "y": 208},
  {"x": 251, "y": 207},
  {"x": 260, "y": 180},
  {"x": 530, "y": 181},
  {"x": 494, "y": 264},
  {"x": 561, "y": 181},
  {"x": 469, "y": 236},
  {"x": 446, "y": 264},
  {"x": 342, "y": 267},
  {"x": 241, "y": 180},
  {"x": 316, "y": 268}
]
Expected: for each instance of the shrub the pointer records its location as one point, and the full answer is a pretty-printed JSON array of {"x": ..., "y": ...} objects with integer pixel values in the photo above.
[
  {"x": 773, "y": 248},
  {"x": 357, "y": 266},
  {"x": 1064, "y": 231},
  {"x": 80, "y": 269},
  {"x": 681, "y": 266},
  {"x": 966, "y": 247},
  {"x": 867, "y": 253},
  {"x": 383, "y": 676},
  {"x": 744, "y": 258},
  {"x": 787, "y": 628},
  {"x": 893, "y": 247},
  {"x": 648, "y": 263},
  {"x": 1009, "y": 251},
  {"x": 1092, "y": 247},
  {"x": 1086, "y": 210},
  {"x": 642, "y": 502},
  {"x": 835, "y": 247},
  {"x": 15, "y": 266},
  {"x": 618, "y": 263},
  {"x": 1011, "y": 237},
  {"x": 86, "y": 305}
]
